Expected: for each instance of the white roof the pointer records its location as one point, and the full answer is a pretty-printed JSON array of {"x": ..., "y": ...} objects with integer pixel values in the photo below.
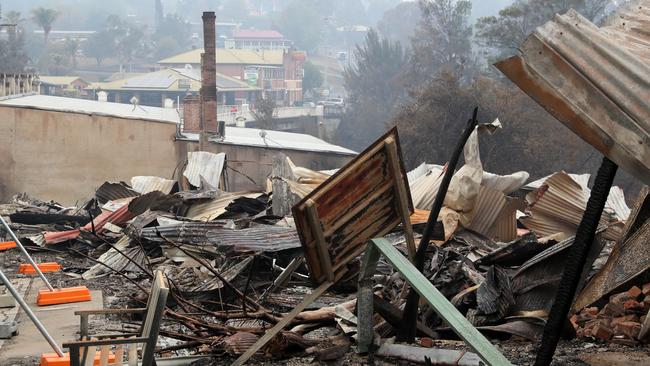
[
  {"x": 234, "y": 135},
  {"x": 275, "y": 140},
  {"x": 85, "y": 106}
]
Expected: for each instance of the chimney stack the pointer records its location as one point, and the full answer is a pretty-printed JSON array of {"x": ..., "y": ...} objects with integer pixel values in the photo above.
[
  {"x": 191, "y": 114},
  {"x": 209, "y": 75}
]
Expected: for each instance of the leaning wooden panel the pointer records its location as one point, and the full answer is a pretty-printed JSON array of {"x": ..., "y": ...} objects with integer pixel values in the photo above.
[{"x": 364, "y": 199}]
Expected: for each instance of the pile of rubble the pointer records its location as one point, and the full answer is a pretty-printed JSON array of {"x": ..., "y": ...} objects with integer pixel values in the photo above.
[
  {"x": 622, "y": 320},
  {"x": 236, "y": 263}
]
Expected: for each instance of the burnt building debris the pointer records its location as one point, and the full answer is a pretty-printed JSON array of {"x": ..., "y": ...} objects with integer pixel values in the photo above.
[{"x": 320, "y": 261}]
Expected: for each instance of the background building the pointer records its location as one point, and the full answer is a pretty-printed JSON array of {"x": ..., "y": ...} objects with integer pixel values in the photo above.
[
  {"x": 71, "y": 86},
  {"x": 278, "y": 73},
  {"x": 88, "y": 142},
  {"x": 258, "y": 39},
  {"x": 152, "y": 89}
]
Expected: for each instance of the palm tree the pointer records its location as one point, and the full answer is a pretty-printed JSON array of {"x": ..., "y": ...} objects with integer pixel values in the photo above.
[
  {"x": 44, "y": 18},
  {"x": 71, "y": 47},
  {"x": 13, "y": 17}
]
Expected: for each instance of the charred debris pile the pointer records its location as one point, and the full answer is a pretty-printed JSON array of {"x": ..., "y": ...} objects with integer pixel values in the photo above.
[{"x": 237, "y": 262}]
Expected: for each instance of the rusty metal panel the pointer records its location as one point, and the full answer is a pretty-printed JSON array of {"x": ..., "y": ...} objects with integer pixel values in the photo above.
[
  {"x": 630, "y": 258},
  {"x": 360, "y": 202},
  {"x": 595, "y": 83}
]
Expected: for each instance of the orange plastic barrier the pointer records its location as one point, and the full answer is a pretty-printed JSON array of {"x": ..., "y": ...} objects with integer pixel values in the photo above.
[
  {"x": 27, "y": 268},
  {"x": 63, "y": 295},
  {"x": 6, "y": 245},
  {"x": 52, "y": 359}
]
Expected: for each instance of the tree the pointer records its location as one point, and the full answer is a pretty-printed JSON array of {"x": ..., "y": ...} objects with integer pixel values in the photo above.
[
  {"x": 71, "y": 46},
  {"x": 442, "y": 39},
  {"x": 173, "y": 26},
  {"x": 514, "y": 23},
  {"x": 13, "y": 17},
  {"x": 263, "y": 110},
  {"x": 166, "y": 46},
  {"x": 128, "y": 38},
  {"x": 398, "y": 23},
  {"x": 430, "y": 126},
  {"x": 13, "y": 57},
  {"x": 374, "y": 88},
  {"x": 313, "y": 77},
  {"x": 44, "y": 18},
  {"x": 60, "y": 65},
  {"x": 301, "y": 23},
  {"x": 100, "y": 46}
]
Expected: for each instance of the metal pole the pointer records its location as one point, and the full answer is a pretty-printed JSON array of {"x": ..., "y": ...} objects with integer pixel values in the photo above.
[
  {"x": 29, "y": 258},
  {"x": 409, "y": 318},
  {"x": 31, "y": 315},
  {"x": 575, "y": 262}
]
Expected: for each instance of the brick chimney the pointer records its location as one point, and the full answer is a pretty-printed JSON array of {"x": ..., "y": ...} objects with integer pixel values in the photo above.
[
  {"x": 191, "y": 113},
  {"x": 209, "y": 75}
]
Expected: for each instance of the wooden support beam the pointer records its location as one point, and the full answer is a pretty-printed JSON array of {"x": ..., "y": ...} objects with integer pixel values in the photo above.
[
  {"x": 402, "y": 198},
  {"x": 271, "y": 333},
  {"x": 321, "y": 244}
]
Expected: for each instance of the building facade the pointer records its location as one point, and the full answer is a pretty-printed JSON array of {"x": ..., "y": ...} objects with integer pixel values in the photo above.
[
  {"x": 258, "y": 39},
  {"x": 166, "y": 87},
  {"x": 89, "y": 142},
  {"x": 278, "y": 73}
]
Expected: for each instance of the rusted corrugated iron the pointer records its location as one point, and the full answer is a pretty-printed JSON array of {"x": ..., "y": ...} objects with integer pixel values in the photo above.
[
  {"x": 630, "y": 257},
  {"x": 594, "y": 80},
  {"x": 220, "y": 234},
  {"x": 183, "y": 233},
  {"x": 255, "y": 239},
  {"x": 557, "y": 207},
  {"x": 366, "y": 198},
  {"x": 120, "y": 216}
]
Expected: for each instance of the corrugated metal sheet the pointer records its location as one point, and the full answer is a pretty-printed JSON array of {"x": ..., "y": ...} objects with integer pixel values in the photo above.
[
  {"x": 487, "y": 209},
  {"x": 535, "y": 282},
  {"x": 114, "y": 259},
  {"x": 274, "y": 140},
  {"x": 111, "y": 191},
  {"x": 594, "y": 80},
  {"x": 119, "y": 217},
  {"x": 206, "y": 165},
  {"x": 424, "y": 183},
  {"x": 255, "y": 239},
  {"x": 185, "y": 232},
  {"x": 210, "y": 210},
  {"x": 146, "y": 184},
  {"x": 421, "y": 170},
  {"x": 581, "y": 179},
  {"x": 504, "y": 228},
  {"x": 558, "y": 206},
  {"x": 264, "y": 238},
  {"x": 229, "y": 273},
  {"x": 630, "y": 258},
  {"x": 616, "y": 202}
]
